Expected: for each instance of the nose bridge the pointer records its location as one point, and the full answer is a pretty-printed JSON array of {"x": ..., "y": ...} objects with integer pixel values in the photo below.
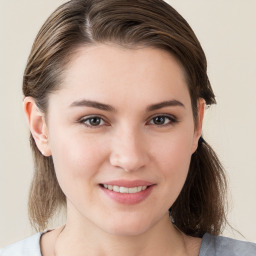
[{"x": 128, "y": 150}]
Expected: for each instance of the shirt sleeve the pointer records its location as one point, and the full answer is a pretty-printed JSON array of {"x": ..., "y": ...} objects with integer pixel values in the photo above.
[
  {"x": 223, "y": 246},
  {"x": 27, "y": 247}
]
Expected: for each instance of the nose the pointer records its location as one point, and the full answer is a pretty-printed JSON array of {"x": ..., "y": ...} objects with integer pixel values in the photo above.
[{"x": 129, "y": 151}]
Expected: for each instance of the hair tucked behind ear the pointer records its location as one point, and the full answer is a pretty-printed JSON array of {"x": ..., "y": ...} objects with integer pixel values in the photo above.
[
  {"x": 200, "y": 207},
  {"x": 131, "y": 23}
]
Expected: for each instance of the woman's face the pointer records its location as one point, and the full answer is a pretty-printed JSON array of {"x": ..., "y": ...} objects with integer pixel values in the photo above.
[{"x": 122, "y": 120}]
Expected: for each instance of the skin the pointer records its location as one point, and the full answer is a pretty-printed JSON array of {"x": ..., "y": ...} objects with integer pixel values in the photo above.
[{"x": 127, "y": 143}]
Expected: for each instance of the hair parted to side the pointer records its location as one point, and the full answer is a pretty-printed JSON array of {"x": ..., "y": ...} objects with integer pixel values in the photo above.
[{"x": 200, "y": 206}]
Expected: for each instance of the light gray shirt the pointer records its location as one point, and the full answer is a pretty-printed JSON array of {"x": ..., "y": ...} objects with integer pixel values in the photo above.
[{"x": 211, "y": 246}]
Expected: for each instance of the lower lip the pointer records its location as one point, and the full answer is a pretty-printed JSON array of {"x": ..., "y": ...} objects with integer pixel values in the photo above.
[{"x": 128, "y": 198}]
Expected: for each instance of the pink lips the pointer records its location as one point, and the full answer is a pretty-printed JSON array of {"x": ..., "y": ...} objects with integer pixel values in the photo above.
[
  {"x": 128, "y": 198},
  {"x": 128, "y": 184}
]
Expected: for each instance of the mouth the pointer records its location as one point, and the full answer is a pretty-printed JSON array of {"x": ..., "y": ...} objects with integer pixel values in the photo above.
[
  {"x": 127, "y": 192},
  {"x": 123, "y": 189}
]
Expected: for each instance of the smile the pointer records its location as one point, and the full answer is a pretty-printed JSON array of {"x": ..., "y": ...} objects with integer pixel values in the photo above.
[{"x": 126, "y": 190}]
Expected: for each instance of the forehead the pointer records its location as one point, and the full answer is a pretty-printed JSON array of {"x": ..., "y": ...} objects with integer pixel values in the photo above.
[{"x": 109, "y": 71}]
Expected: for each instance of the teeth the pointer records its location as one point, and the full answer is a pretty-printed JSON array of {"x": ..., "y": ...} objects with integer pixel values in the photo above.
[
  {"x": 125, "y": 189},
  {"x": 116, "y": 188},
  {"x": 133, "y": 190}
]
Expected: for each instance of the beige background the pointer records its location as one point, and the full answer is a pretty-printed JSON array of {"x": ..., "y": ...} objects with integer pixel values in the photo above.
[{"x": 226, "y": 30}]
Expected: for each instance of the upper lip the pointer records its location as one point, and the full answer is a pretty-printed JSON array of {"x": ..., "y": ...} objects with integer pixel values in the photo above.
[{"x": 128, "y": 183}]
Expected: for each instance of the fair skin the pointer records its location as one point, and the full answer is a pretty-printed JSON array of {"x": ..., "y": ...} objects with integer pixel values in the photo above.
[{"x": 133, "y": 142}]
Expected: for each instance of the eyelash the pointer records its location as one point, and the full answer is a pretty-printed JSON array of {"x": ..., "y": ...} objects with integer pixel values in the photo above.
[
  {"x": 171, "y": 121},
  {"x": 85, "y": 119}
]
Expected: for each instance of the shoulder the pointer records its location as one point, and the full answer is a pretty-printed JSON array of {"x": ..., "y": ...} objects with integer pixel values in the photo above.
[
  {"x": 223, "y": 246},
  {"x": 27, "y": 247}
]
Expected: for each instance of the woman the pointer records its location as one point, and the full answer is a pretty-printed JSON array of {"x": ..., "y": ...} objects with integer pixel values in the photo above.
[{"x": 115, "y": 93}]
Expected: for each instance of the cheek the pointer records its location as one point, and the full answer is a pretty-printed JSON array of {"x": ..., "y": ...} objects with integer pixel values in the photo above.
[
  {"x": 175, "y": 150},
  {"x": 173, "y": 158},
  {"x": 76, "y": 160},
  {"x": 176, "y": 166}
]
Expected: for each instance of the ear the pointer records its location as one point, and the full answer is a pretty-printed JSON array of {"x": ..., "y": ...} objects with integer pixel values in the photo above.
[
  {"x": 37, "y": 125},
  {"x": 199, "y": 124}
]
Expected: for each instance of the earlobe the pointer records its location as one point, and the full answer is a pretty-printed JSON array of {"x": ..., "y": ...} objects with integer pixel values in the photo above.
[
  {"x": 37, "y": 125},
  {"x": 198, "y": 128}
]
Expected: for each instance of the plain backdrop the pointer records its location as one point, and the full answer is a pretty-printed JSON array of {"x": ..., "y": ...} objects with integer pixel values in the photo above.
[{"x": 226, "y": 30}]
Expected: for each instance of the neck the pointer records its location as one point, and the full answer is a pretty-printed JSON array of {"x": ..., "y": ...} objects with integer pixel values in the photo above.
[{"x": 81, "y": 240}]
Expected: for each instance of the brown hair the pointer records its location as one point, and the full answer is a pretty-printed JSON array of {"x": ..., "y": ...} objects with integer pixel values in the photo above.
[{"x": 200, "y": 206}]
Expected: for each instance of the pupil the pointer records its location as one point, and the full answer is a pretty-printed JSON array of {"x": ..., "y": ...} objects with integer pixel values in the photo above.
[
  {"x": 95, "y": 121},
  {"x": 159, "y": 120}
]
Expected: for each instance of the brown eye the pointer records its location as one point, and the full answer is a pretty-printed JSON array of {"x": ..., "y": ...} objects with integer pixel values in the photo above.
[
  {"x": 159, "y": 120},
  {"x": 162, "y": 120},
  {"x": 93, "y": 121}
]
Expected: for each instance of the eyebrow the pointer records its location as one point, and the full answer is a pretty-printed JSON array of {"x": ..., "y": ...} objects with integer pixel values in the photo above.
[
  {"x": 106, "y": 107},
  {"x": 93, "y": 104},
  {"x": 169, "y": 103}
]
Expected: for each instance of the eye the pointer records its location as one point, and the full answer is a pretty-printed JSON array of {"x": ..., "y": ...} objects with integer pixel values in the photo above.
[
  {"x": 162, "y": 120},
  {"x": 92, "y": 121}
]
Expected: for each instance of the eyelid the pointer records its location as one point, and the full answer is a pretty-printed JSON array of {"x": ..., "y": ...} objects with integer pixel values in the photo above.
[
  {"x": 85, "y": 118},
  {"x": 173, "y": 119}
]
